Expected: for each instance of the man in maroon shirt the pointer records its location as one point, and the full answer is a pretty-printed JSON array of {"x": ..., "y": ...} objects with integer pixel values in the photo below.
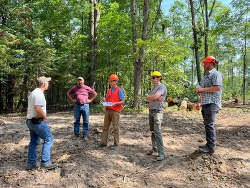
[{"x": 81, "y": 102}]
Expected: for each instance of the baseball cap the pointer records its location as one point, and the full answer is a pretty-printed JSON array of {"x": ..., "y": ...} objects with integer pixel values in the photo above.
[
  {"x": 80, "y": 78},
  {"x": 43, "y": 79}
]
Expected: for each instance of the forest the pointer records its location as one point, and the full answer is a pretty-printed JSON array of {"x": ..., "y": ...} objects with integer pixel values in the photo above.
[{"x": 65, "y": 39}]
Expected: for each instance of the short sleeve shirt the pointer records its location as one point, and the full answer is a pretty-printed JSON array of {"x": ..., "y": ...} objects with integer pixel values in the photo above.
[
  {"x": 36, "y": 98},
  {"x": 157, "y": 104},
  {"x": 121, "y": 93},
  {"x": 212, "y": 78},
  {"x": 81, "y": 93}
]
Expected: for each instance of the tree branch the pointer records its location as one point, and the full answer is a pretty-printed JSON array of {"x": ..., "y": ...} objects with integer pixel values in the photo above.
[{"x": 156, "y": 16}]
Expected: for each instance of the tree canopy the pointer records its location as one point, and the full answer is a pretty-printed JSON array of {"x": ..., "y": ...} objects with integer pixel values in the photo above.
[{"x": 93, "y": 39}]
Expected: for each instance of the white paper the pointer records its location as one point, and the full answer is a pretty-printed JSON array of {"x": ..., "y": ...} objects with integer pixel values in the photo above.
[{"x": 107, "y": 104}]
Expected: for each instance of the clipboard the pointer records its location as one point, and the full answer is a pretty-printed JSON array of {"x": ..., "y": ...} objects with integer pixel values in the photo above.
[{"x": 107, "y": 104}]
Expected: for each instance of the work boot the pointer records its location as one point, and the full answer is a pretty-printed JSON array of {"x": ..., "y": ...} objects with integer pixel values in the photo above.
[
  {"x": 75, "y": 137},
  {"x": 202, "y": 146},
  {"x": 152, "y": 151},
  {"x": 160, "y": 158},
  {"x": 207, "y": 149},
  {"x": 114, "y": 147},
  {"x": 50, "y": 166},
  {"x": 31, "y": 167},
  {"x": 85, "y": 138},
  {"x": 101, "y": 145}
]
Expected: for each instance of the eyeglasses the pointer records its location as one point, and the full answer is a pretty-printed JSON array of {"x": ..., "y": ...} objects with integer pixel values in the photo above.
[{"x": 154, "y": 77}]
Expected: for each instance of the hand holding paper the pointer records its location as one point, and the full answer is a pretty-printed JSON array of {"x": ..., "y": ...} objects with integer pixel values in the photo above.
[{"x": 107, "y": 104}]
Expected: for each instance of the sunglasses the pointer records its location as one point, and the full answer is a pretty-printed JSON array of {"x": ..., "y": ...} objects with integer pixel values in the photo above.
[{"x": 154, "y": 77}]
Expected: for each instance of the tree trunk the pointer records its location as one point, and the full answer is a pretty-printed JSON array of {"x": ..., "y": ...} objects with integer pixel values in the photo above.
[
  {"x": 206, "y": 28},
  {"x": 82, "y": 49},
  {"x": 196, "y": 42},
  {"x": 244, "y": 66},
  {"x": 1, "y": 96},
  {"x": 134, "y": 49},
  {"x": 94, "y": 17},
  {"x": 192, "y": 71},
  {"x": 22, "y": 102},
  {"x": 138, "y": 65},
  {"x": 232, "y": 72},
  {"x": 10, "y": 93},
  {"x": 207, "y": 15}
]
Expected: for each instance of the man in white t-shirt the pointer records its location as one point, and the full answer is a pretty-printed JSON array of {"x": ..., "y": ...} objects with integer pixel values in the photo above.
[{"x": 38, "y": 127}]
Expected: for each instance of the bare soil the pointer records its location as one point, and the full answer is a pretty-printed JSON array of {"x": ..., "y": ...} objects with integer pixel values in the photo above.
[{"x": 82, "y": 164}]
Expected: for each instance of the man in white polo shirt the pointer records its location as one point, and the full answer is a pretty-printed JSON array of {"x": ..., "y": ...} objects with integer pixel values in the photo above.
[{"x": 38, "y": 127}]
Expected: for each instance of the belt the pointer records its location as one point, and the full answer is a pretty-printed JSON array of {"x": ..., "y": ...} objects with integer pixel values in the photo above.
[
  {"x": 81, "y": 104},
  {"x": 36, "y": 120},
  {"x": 155, "y": 110}
]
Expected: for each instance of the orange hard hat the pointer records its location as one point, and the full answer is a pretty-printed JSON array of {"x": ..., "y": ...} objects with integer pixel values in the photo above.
[
  {"x": 210, "y": 59},
  {"x": 113, "y": 77}
]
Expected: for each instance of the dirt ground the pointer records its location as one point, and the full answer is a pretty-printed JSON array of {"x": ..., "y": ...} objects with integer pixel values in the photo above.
[{"x": 84, "y": 165}]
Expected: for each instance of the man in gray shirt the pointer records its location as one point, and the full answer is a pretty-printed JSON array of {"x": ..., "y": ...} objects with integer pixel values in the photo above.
[{"x": 156, "y": 100}]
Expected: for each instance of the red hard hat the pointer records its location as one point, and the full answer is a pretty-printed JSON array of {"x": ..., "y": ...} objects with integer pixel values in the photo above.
[
  {"x": 209, "y": 59},
  {"x": 113, "y": 77}
]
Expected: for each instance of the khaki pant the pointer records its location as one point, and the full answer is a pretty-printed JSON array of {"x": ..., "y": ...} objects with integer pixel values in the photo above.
[{"x": 111, "y": 116}]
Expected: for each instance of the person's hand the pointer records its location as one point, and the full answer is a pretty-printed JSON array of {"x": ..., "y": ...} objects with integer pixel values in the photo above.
[
  {"x": 198, "y": 89},
  {"x": 114, "y": 104},
  {"x": 74, "y": 100},
  {"x": 198, "y": 105},
  {"x": 161, "y": 98},
  {"x": 103, "y": 99},
  {"x": 88, "y": 101}
]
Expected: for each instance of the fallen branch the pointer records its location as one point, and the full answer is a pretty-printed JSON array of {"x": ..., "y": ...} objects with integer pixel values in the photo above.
[
  {"x": 124, "y": 177},
  {"x": 2, "y": 149}
]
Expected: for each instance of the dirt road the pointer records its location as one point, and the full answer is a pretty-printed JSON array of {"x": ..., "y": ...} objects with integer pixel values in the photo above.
[{"x": 84, "y": 165}]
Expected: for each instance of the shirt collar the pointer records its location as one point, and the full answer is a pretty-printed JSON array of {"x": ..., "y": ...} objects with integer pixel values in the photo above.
[
  {"x": 113, "y": 88},
  {"x": 209, "y": 72}
]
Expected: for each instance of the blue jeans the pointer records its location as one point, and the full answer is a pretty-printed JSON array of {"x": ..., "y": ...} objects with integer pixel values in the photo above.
[
  {"x": 81, "y": 110},
  {"x": 209, "y": 112},
  {"x": 37, "y": 132},
  {"x": 155, "y": 120}
]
